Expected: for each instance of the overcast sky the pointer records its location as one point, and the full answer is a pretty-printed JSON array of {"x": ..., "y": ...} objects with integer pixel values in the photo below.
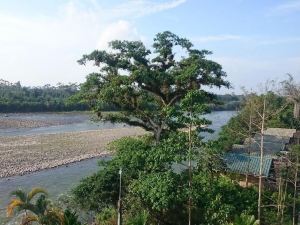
[{"x": 254, "y": 40}]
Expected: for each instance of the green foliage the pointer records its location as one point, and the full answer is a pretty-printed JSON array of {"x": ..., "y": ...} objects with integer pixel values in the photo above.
[
  {"x": 244, "y": 219},
  {"x": 285, "y": 119},
  {"x": 134, "y": 155},
  {"x": 17, "y": 98},
  {"x": 99, "y": 190},
  {"x": 140, "y": 219},
  {"x": 108, "y": 216},
  {"x": 70, "y": 218},
  {"x": 219, "y": 200},
  {"x": 150, "y": 84},
  {"x": 151, "y": 183},
  {"x": 157, "y": 190}
]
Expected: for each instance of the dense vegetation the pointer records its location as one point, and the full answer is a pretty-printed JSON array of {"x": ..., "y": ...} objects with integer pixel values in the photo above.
[
  {"x": 17, "y": 98},
  {"x": 153, "y": 183}
]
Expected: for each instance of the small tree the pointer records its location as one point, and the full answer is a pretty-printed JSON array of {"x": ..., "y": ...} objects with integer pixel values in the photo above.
[
  {"x": 191, "y": 108},
  {"x": 36, "y": 211}
]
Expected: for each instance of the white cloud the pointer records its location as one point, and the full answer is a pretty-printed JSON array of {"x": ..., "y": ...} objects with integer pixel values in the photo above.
[
  {"x": 40, "y": 49},
  {"x": 137, "y": 8},
  {"x": 287, "y": 7},
  {"x": 120, "y": 30},
  {"x": 280, "y": 41}
]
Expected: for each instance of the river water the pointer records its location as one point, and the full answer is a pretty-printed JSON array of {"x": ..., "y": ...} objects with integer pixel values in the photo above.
[{"x": 63, "y": 178}]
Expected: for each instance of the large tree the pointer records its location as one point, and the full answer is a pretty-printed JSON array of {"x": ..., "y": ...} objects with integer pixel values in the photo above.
[{"x": 147, "y": 85}]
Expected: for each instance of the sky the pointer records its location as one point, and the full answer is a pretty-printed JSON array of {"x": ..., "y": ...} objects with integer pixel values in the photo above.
[{"x": 254, "y": 40}]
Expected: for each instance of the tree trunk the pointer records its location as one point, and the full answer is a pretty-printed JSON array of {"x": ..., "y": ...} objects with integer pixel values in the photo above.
[
  {"x": 296, "y": 110},
  {"x": 261, "y": 163},
  {"x": 157, "y": 134},
  {"x": 250, "y": 142},
  {"x": 190, "y": 174},
  {"x": 295, "y": 191}
]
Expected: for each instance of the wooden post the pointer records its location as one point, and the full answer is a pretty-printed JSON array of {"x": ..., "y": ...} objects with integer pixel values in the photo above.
[
  {"x": 261, "y": 162},
  {"x": 190, "y": 173},
  {"x": 295, "y": 190},
  {"x": 120, "y": 199}
]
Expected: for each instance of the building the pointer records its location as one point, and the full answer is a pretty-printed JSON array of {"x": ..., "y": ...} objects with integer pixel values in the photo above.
[
  {"x": 247, "y": 166},
  {"x": 244, "y": 160}
]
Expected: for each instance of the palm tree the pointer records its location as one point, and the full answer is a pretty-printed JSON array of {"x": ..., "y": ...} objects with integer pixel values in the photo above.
[
  {"x": 52, "y": 216},
  {"x": 23, "y": 201},
  {"x": 39, "y": 211}
]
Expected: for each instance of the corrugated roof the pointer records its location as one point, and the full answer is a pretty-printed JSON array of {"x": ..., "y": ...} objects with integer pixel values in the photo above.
[
  {"x": 282, "y": 132},
  {"x": 272, "y": 138},
  {"x": 270, "y": 148},
  {"x": 247, "y": 164}
]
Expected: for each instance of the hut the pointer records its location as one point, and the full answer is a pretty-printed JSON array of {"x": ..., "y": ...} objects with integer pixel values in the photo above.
[
  {"x": 244, "y": 160},
  {"x": 247, "y": 166}
]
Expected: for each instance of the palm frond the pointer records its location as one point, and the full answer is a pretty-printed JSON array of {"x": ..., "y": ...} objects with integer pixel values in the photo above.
[
  {"x": 12, "y": 205},
  {"x": 41, "y": 204},
  {"x": 36, "y": 191},
  {"x": 20, "y": 194}
]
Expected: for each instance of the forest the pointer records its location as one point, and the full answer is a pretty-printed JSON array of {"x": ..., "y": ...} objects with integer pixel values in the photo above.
[{"x": 17, "y": 98}]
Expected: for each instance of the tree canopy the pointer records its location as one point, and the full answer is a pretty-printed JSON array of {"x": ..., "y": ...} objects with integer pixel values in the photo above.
[{"x": 147, "y": 85}]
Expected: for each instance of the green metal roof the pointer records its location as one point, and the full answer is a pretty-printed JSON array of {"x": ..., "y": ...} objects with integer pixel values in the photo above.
[{"x": 247, "y": 164}]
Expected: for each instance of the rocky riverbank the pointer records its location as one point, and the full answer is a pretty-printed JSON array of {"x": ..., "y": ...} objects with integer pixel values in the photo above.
[{"x": 25, "y": 154}]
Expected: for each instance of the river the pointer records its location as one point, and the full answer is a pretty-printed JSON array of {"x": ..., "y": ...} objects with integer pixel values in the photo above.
[{"x": 63, "y": 178}]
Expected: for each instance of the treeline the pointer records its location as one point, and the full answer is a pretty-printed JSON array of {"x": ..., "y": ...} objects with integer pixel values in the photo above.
[
  {"x": 227, "y": 102},
  {"x": 17, "y": 98},
  {"x": 64, "y": 97}
]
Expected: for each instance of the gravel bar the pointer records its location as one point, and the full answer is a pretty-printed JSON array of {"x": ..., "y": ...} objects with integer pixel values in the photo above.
[{"x": 25, "y": 154}]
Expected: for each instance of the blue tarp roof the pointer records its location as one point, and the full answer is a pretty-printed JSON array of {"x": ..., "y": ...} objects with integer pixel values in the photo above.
[{"x": 247, "y": 164}]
